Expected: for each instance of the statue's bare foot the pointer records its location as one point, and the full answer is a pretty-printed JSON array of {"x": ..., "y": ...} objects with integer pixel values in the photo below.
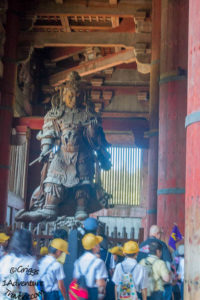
[
  {"x": 36, "y": 216},
  {"x": 80, "y": 215},
  {"x": 19, "y": 214}
]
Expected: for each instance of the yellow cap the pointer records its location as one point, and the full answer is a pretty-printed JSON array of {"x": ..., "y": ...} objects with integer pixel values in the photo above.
[
  {"x": 3, "y": 237},
  {"x": 130, "y": 247},
  {"x": 60, "y": 244},
  {"x": 90, "y": 240},
  {"x": 43, "y": 250},
  {"x": 117, "y": 250}
]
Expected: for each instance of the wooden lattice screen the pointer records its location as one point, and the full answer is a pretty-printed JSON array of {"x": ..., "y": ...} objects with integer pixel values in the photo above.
[
  {"x": 17, "y": 171},
  {"x": 123, "y": 181}
]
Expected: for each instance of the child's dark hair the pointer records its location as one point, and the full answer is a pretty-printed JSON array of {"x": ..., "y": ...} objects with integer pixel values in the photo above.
[
  {"x": 52, "y": 250},
  {"x": 130, "y": 255},
  {"x": 153, "y": 247},
  {"x": 21, "y": 243},
  {"x": 60, "y": 234}
]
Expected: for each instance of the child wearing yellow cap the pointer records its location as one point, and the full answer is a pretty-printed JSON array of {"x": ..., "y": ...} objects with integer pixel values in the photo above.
[
  {"x": 130, "y": 266},
  {"x": 19, "y": 266},
  {"x": 43, "y": 251},
  {"x": 117, "y": 253},
  {"x": 92, "y": 267},
  {"x": 3, "y": 243},
  {"x": 51, "y": 271}
]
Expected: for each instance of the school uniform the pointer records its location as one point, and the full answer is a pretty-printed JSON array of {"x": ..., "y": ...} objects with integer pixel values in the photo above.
[
  {"x": 139, "y": 273},
  {"x": 51, "y": 271},
  {"x": 109, "y": 261},
  {"x": 97, "y": 270},
  {"x": 2, "y": 251},
  {"x": 20, "y": 267},
  {"x": 160, "y": 270},
  {"x": 61, "y": 259},
  {"x": 166, "y": 256},
  {"x": 144, "y": 250}
]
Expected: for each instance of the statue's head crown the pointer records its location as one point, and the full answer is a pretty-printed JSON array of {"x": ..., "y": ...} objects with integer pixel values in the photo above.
[{"x": 74, "y": 80}]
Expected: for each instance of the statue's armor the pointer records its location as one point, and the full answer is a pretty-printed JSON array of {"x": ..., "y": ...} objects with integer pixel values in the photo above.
[{"x": 73, "y": 164}]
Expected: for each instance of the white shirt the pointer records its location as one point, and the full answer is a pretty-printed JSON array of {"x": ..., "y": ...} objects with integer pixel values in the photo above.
[
  {"x": 112, "y": 262},
  {"x": 96, "y": 271},
  {"x": 24, "y": 267},
  {"x": 139, "y": 273},
  {"x": 2, "y": 251},
  {"x": 51, "y": 275},
  {"x": 180, "y": 270}
]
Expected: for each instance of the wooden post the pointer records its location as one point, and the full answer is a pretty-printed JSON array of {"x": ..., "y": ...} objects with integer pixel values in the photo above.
[
  {"x": 132, "y": 236},
  {"x": 154, "y": 108},
  {"x": 6, "y": 102},
  {"x": 172, "y": 112},
  {"x": 192, "y": 205}
]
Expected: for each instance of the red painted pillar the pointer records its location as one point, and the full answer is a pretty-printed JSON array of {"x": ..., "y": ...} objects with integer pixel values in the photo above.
[
  {"x": 154, "y": 107},
  {"x": 192, "y": 207},
  {"x": 172, "y": 112},
  {"x": 6, "y": 103}
]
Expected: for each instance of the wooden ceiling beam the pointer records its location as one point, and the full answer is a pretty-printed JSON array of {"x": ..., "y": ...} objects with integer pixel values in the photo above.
[
  {"x": 124, "y": 115},
  {"x": 121, "y": 90},
  {"x": 126, "y": 120},
  {"x": 94, "y": 66},
  {"x": 84, "y": 39},
  {"x": 90, "y": 28},
  {"x": 79, "y": 8}
]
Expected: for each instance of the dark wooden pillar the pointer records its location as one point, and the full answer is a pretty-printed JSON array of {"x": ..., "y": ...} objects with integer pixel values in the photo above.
[
  {"x": 172, "y": 112},
  {"x": 154, "y": 107},
  {"x": 6, "y": 102},
  {"x": 192, "y": 123}
]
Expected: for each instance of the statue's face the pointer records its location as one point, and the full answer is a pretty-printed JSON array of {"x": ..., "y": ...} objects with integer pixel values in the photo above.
[{"x": 70, "y": 98}]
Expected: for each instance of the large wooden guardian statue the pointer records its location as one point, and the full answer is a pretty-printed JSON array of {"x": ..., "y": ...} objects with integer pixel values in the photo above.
[{"x": 72, "y": 141}]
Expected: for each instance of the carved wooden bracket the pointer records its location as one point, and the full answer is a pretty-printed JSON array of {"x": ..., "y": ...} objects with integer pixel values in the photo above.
[
  {"x": 143, "y": 48},
  {"x": 100, "y": 98}
]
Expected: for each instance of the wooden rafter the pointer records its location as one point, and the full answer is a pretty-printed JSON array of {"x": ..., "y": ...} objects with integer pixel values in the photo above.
[
  {"x": 125, "y": 56},
  {"x": 57, "y": 54},
  {"x": 84, "y": 39},
  {"x": 65, "y": 24},
  {"x": 115, "y": 22},
  {"x": 113, "y": 2}
]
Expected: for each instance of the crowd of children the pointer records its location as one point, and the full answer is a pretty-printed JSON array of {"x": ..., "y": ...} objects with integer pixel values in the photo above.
[{"x": 130, "y": 272}]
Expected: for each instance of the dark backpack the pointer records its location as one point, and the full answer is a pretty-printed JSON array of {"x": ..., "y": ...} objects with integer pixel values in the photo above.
[{"x": 78, "y": 288}]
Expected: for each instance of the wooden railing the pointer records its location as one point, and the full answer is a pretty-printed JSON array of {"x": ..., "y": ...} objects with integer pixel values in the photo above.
[
  {"x": 120, "y": 237},
  {"x": 43, "y": 233}
]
